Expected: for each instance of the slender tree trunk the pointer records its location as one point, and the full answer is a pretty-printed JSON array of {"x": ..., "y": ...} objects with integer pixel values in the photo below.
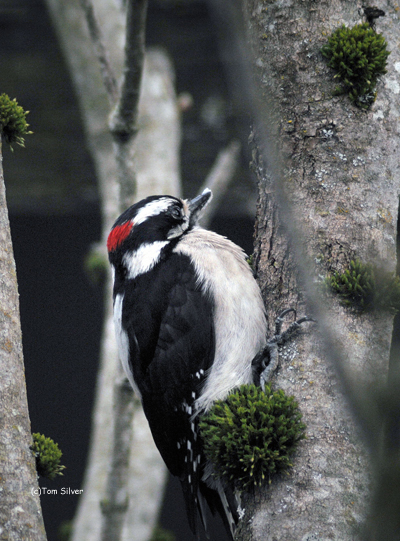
[
  {"x": 20, "y": 511},
  {"x": 155, "y": 159},
  {"x": 341, "y": 177}
]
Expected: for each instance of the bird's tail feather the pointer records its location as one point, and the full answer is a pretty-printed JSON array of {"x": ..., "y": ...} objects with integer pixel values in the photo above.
[{"x": 219, "y": 498}]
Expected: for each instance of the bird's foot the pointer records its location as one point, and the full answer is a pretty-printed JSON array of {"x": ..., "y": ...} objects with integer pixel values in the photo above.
[{"x": 265, "y": 362}]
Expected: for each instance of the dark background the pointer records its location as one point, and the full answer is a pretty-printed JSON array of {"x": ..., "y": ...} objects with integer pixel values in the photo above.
[{"x": 55, "y": 217}]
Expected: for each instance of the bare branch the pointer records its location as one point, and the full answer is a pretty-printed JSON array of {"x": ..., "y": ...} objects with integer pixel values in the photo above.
[
  {"x": 219, "y": 178},
  {"x": 123, "y": 120},
  {"x": 109, "y": 80},
  {"x": 116, "y": 502},
  {"x": 123, "y": 127},
  {"x": 156, "y": 160}
]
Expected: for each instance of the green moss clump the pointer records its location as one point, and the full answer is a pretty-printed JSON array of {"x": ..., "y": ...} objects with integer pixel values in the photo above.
[
  {"x": 359, "y": 56},
  {"x": 363, "y": 288},
  {"x": 13, "y": 121},
  {"x": 48, "y": 456},
  {"x": 252, "y": 435},
  {"x": 250, "y": 261},
  {"x": 356, "y": 285}
]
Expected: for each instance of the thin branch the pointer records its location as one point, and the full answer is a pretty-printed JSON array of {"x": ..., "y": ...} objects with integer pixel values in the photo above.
[
  {"x": 219, "y": 178},
  {"x": 123, "y": 127},
  {"x": 116, "y": 502},
  {"x": 107, "y": 73},
  {"x": 123, "y": 120}
]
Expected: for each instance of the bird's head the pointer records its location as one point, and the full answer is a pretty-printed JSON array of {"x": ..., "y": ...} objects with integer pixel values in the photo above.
[{"x": 160, "y": 218}]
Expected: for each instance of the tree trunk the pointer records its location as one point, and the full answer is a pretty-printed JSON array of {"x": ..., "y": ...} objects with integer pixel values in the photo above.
[
  {"x": 342, "y": 180},
  {"x": 20, "y": 511}
]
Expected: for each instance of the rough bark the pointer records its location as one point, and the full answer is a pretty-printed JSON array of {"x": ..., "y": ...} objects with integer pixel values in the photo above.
[
  {"x": 20, "y": 511},
  {"x": 342, "y": 180}
]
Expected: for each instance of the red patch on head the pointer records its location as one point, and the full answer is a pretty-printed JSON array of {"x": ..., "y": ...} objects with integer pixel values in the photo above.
[{"x": 117, "y": 235}]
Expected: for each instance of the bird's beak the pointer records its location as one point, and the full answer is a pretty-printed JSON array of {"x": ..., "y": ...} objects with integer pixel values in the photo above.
[{"x": 197, "y": 204}]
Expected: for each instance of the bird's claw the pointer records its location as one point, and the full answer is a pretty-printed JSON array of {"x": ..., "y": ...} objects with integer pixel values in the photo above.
[{"x": 265, "y": 362}]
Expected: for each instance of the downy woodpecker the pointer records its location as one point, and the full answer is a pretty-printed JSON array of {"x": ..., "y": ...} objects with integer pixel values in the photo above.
[{"x": 189, "y": 320}]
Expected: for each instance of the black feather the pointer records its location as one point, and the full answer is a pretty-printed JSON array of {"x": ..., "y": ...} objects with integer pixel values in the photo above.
[{"x": 168, "y": 316}]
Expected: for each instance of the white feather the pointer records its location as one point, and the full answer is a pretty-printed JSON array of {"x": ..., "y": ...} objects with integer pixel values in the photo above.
[
  {"x": 143, "y": 259},
  {"x": 240, "y": 324},
  {"x": 152, "y": 209}
]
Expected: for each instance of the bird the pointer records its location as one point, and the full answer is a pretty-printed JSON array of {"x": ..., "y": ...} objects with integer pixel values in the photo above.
[{"x": 189, "y": 320}]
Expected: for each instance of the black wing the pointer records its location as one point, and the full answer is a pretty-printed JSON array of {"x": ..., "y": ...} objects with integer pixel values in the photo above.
[
  {"x": 169, "y": 321},
  {"x": 172, "y": 344}
]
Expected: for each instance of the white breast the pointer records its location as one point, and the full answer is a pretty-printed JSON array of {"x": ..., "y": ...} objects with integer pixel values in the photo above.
[{"x": 240, "y": 323}]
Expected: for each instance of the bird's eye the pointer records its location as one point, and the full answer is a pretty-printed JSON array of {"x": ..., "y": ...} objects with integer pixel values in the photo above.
[{"x": 176, "y": 213}]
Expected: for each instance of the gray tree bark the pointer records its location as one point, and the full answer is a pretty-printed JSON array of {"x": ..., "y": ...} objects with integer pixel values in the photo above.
[
  {"x": 20, "y": 511},
  {"x": 341, "y": 177}
]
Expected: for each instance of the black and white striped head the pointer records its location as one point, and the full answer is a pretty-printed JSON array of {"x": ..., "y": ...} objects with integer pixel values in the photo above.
[{"x": 156, "y": 219}]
